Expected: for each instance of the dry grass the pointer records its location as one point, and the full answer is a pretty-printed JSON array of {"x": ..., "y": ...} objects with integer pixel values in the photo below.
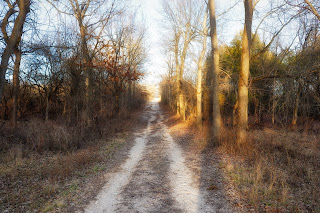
[
  {"x": 277, "y": 171},
  {"x": 42, "y": 160}
]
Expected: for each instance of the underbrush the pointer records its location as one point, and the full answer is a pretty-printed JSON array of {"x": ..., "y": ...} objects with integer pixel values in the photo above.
[
  {"x": 277, "y": 170},
  {"x": 40, "y": 160}
]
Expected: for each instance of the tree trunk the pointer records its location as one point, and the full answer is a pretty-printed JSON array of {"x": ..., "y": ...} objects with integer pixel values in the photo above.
[
  {"x": 200, "y": 69},
  {"x": 13, "y": 40},
  {"x": 187, "y": 40},
  {"x": 16, "y": 85},
  {"x": 234, "y": 114},
  {"x": 244, "y": 75},
  {"x": 134, "y": 91},
  {"x": 47, "y": 107},
  {"x": 273, "y": 101},
  {"x": 176, "y": 54},
  {"x": 296, "y": 106},
  {"x": 129, "y": 95},
  {"x": 216, "y": 117},
  {"x": 88, "y": 71}
]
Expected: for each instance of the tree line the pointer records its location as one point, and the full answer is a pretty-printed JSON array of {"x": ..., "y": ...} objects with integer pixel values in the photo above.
[
  {"x": 268, "y": 74},
  {"x": 79, "y": 59}
]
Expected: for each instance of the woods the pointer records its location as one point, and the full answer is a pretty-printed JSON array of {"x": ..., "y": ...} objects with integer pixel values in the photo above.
[
  {"x": 257, "y": 98},
  {"x": 79, "y": 74},
  {"x": 239, "y": 83},
  {"x": 249, "y": 77},
  {"x": 70, "y": 83}
]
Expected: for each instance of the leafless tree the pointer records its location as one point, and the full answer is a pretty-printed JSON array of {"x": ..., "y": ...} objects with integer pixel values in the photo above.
[
  {"x": 216, "y": 123},
  {"x": 13, "y": 38},
  {"x": 244, "y": 74}
]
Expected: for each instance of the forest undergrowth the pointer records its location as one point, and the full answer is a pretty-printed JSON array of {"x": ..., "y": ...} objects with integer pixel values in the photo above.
[
  {"x": 42, "y": 160},
  {"x": 278, "y": 170}
]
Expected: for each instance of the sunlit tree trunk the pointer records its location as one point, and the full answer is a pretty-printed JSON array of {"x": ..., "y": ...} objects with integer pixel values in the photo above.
[
  {"x": 244, "y": 75},
  {"x": 200, "y": 69},
  {"x": 176, "y": 56},
  {"x": 216, "y": 117},
  {"x": 187, "y": 40}
]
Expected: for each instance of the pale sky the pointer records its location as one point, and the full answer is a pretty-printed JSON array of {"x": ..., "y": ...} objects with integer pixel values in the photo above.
[
  {"x": 151, "y": 10},
  {"x": 229, "y": 24}
]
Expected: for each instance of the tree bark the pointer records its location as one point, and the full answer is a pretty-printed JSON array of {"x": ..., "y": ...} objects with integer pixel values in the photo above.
[
  {"x": 313, "y": 9},
  {"x": 244, "y": 75},
  {"x": 187, "y": 40},
  {"x": 176, "y": 54},
  {"x": 200, "y": 69},
  {"x": 88, "y": 72},
  {"x": 13, "y": 40},
  {"x": 216, "y": 117},
  {"x": 16, "y": 85}
]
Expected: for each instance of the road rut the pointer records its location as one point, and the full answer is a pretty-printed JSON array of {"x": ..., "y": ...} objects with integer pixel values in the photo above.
[{"x": 155, "y": 177}]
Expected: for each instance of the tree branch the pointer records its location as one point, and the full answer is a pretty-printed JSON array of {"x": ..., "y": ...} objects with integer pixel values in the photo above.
[{"x": 313, "y": 9}]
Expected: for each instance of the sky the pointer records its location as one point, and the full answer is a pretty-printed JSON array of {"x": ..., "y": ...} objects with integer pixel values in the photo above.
[
  {"x": 151, "y": 10},
  {"x": 155, "y": 66},
  {"x": 228, "y": 25}
]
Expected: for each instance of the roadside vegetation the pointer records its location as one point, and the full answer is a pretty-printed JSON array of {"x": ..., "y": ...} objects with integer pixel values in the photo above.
[
  {"x": 44, "y": 165},
  {"x": 253, "y": 100},
  {"x": 69, "y": 95}
]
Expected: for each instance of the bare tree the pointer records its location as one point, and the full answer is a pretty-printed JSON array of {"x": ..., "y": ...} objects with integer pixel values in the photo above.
[
  {"x": 84, "y": 12},
  {"x": 244, "y": 74},
  {"x": 16, "y": 84},
  {"x": 216, "y": 123},
  {"x": 183, "y": 18},
  {"x": 312, "y": 9},
  {"x": 203, "y": 33},
  {"x": 12, "y": 41}
]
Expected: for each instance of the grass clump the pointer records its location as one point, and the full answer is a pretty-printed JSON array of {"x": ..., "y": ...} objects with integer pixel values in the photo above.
[{"x": 276, "y": 170}]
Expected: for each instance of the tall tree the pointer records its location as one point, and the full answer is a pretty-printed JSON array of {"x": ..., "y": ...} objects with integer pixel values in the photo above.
[
  {"x": 244, "y": 74},
  {"x": 203, "y": 33},
  {"x": 12, "y": 40},
  {"x": 16, "y": 84},
  {"x": 85, "y": 11},
  {"x": 216, "y": 117},
  {"x": 183, "y": 17}
]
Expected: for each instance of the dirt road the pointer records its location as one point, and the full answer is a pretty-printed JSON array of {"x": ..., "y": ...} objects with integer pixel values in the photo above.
[{"x": 157, "y": 178}]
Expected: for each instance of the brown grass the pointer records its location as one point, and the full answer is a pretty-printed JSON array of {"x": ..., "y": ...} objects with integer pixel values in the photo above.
[
  {"x": 276, "y": 171},
  {"x": 42, "y": 160}
]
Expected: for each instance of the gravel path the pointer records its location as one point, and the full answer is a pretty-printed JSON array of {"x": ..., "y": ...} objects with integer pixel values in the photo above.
[{"x": 156, "y": 177}]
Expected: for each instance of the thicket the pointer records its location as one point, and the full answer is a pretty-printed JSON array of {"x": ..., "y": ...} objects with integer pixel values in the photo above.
[
  {"x": 282, "y": 88},
  {"x": 63, "y": 85}
]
